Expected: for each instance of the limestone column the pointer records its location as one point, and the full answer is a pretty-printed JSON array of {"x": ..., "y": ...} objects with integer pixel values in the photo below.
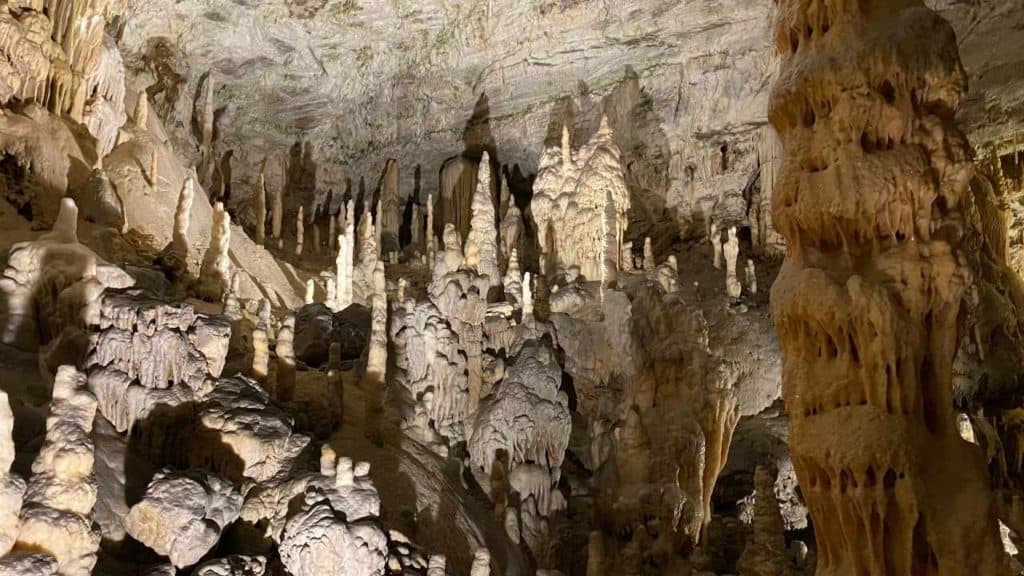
[{"x": 872, "y": 199}]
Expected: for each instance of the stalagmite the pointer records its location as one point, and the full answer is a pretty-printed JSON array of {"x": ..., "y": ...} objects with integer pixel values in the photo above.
[
  {"x": 378, "y": 230},
  {"x": 299, "y": 231},
  {"x": 402, "y": 285},
  {"x": 56, "y": 518},
  {"x": 716, "y": 245},
  {"x": 437, "y": 566},
  {"x": 872, "y": 197},
  {"x": 416, "y": 227},
  {"x": 183, "y": 217},
  {"x": 310, "y": 291},
  {"x": 332, "y": 293},
  {"x": 513, "y": 279},
  {"x": 154, "y": 169},
  {"x": 261, "y": 204},
  {"x": 732, "y": 251},
  {"x": 481, "y": 248},
  {"x": 277, "y": 213},
  {"x": 481, "y": 563},
  {"x": 627, "y": 257},
  {"x": 527, "y": 296},
  {"x": 216, "y": 271},
  {"x": 751, "y": 277},
  {"x": 648, "y": 255},
  {"x": 431, "y": 235},
  {"x": 766, "y": 552},
  {"x": 260, "y": 353},
  {"x": 285, "y": 350},
  {"x": 12, "y": 488},
  {"x": 140, "y": 116},
  {"x": 377, "y": 357},
  {"x": 315, "y": 244},
  {"x": 389, "y": 214},
  {"x": 208, "y": 161},
  {"x": 332, "y": 234}
]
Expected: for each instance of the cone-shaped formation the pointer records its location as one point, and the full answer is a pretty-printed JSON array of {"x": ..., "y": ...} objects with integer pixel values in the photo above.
[
  {"x": 871, "y": 198},
  {"x": 481, "y": 250},
  {"x": 216, "y": 272}
]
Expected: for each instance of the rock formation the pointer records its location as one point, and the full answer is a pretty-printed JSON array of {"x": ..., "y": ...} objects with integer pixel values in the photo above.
[
  {"x": 216, "y": 271},
  {"x": 481, "y": 249},
  {"x": 577, "y": 198},
  {"x": 871, "y": 197}
]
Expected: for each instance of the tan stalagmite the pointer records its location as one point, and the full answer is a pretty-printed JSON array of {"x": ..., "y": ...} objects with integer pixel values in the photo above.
[
  {"x": 310, "y": 291},
  {"x": 207, "y": 160},
  {"x": 716, "y": 245},
  {"x": 314, "y": 246},
  {"x": 430, "y": 234},
  {"x": 751, "y": 277},
  {"x": 154, "y": 169},
  {"x": 260, "y": 354},
  {"x": 140, "y": 116},
  {"x": 332, "y": 234},
  {"x": 481, "y": 248},
  {"x": 277, "y": 213},
  {"x": 299, "y": 231},
  {"x": 183, "y": 216},
  {"x": 285, "y": 350},
  {"x": 872, "y": 199},
  {"x": 12, "y": 488},
  {"x": 215, "y": 274},
  {"x": 389, "y": 211},
  {"x": 377, "y": 357},
  {"x": 332, "y": 293},
  {"x": 261, "y": 204},
  {"x": 732, "y": 252},
  {"x": 481, "y": 563},
  {"x": 648, "y": 255}
]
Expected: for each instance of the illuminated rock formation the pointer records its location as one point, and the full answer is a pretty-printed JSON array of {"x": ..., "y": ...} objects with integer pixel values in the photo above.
[
  {"x": 56, "y": 517},
  {"x": 871, "y": 199},
  {"x": 182, "y": 515},
  {"x": 45, "y": 282},
  {"x": 481, "y": 247},
  {"x": 216, "y": 271},
  {"x": 580, "y": 204},
  {"x": 390, "y": 212}
]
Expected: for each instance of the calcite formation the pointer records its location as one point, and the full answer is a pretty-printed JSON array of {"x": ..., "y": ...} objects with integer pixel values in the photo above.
[
  {"x": 56, "y": 515},
  {"x": 871, "y": 198},
  {"x": 182, "y": 515},
  {"x": 481, "y": 249},
  {"x": 47, "y": 283},
  {"x": 580, "y": 204}
]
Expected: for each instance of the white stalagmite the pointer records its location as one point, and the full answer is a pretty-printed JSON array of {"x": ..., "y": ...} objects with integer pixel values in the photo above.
[
  {"x": 481, "y": 563},
  {"x": 402, "y": 284},
  {"x": 154, "y": 169},
  {"x": 332, "y": 235},
  {"x": 215, "y": 273},
  {"x": 437, "y": 565},
  {"x": 332, "y": 293},
  {"x": 716, "y": 245},
  {"x": 310, "y": 291},
  {"x": 57, "y": 517},
  {"x": 648, "y": 254},
  {"x": 299, "y": 231},
  {"x": 261, "y": 205},
  {"x": 285, "y": 350},
  {"x": 260, "y": 353},
  {"x": 183, "y": 216},
  {"x": 527, "y": 296},
  {"x": 751, "y": 277},
  {"x": 731, "y": 250},
  {"x": 627, "y": 257},
  {"x": 378, "y": 229},
  {"x": 431, "y": 240},
  {"x": 140, "y": 116},
  {"x": 344, "y": 263},
  {"x": 513, "y": 279},
  {"x": 377, "y": 357},
  {"x": 481, "y": 249}
]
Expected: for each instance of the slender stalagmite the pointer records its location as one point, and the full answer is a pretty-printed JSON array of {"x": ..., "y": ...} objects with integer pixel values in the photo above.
[
  {"x": 285, "y": 350},
  {"x": 183, "y": 216},
  {"x": 872, "y": 199},
  {"x": 299, "y": 231},
  {"x": 261, "y": 205}
]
